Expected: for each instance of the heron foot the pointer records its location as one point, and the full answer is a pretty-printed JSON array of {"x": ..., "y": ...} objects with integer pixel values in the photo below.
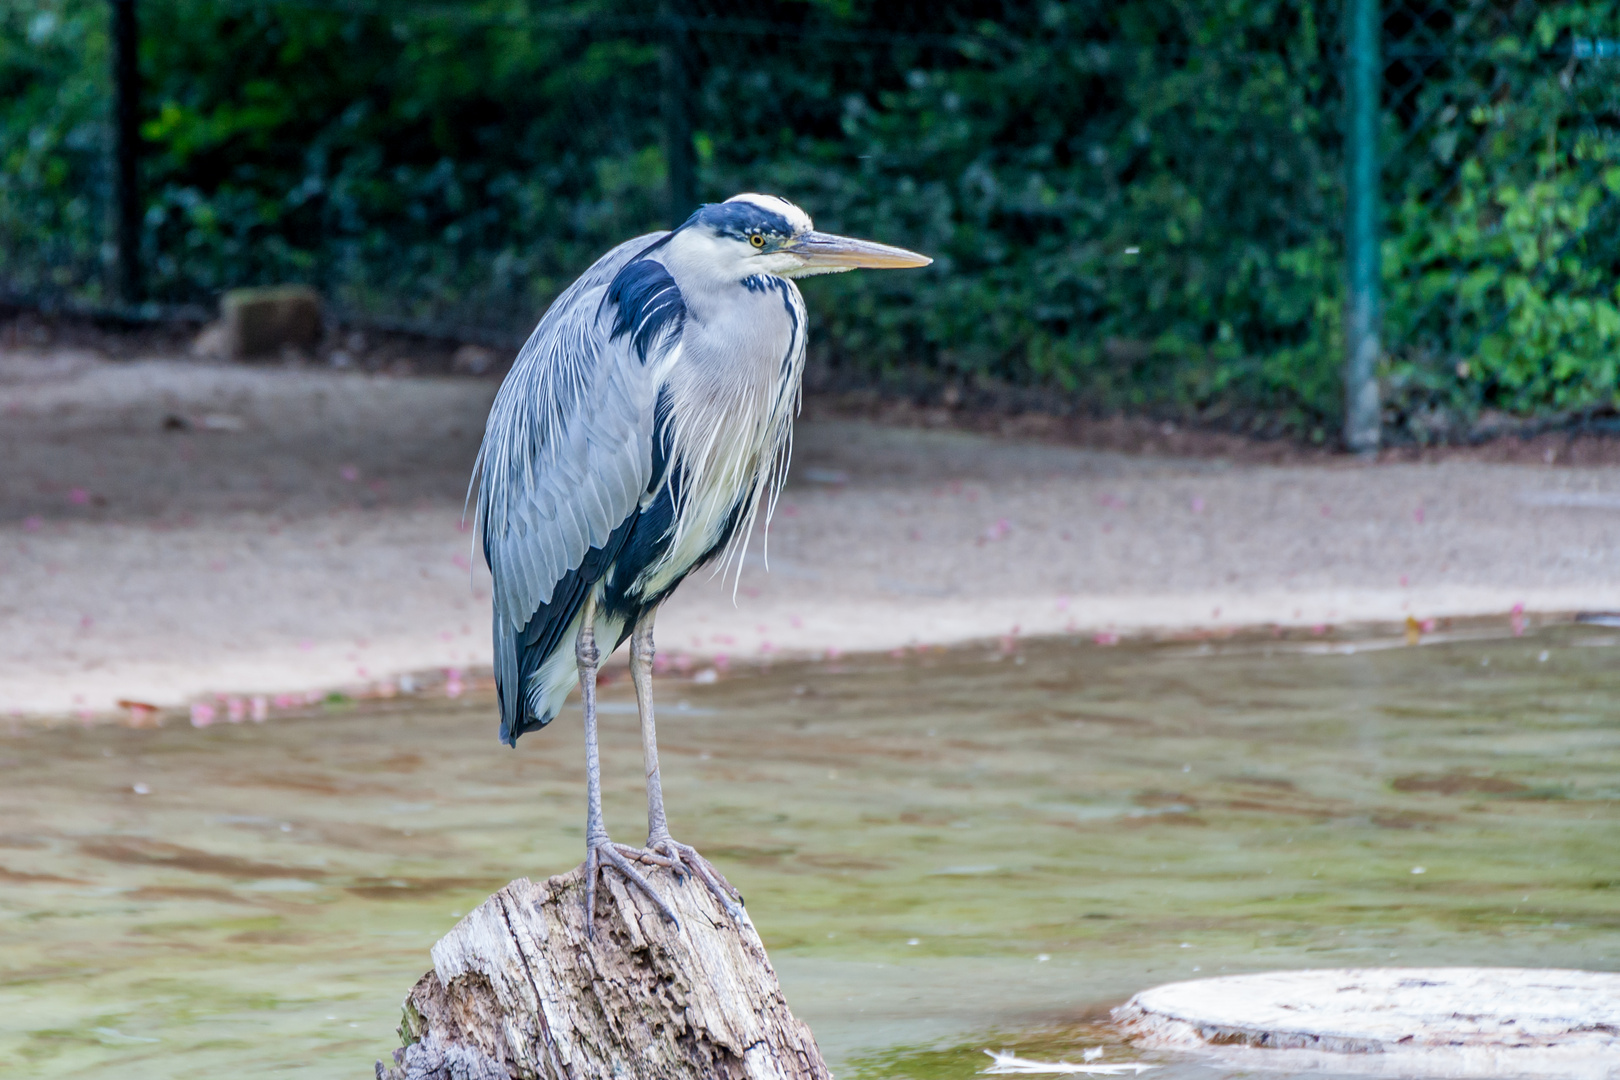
[
  {"x": 683, "y": 859},
  {"x": 600, "y": 856}
]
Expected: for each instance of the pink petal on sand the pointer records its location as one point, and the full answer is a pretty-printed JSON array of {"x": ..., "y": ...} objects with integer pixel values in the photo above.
[
  {"x": 202, "y": 715},
  {"x": 78, "y": 496},
  {"x": 261, "y": 709},
  {"x": 1417, "y": 515},
  {"x": 33, "y": 523},
  {"x": 1106, "y": 637},
  {"x": 1198, "y": 504}
]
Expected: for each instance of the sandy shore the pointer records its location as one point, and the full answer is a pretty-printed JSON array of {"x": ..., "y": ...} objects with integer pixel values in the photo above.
[{"x": 171, "y": 530}]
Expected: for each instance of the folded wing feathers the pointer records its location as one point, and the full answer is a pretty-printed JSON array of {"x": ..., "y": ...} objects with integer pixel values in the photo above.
[{"x": 546, "y": 494}]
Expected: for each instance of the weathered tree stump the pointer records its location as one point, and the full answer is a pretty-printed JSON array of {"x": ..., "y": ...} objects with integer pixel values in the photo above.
[{"x": 518, "y": 992}]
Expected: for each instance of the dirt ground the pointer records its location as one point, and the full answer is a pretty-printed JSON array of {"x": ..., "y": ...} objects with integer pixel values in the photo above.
[{"x": 173, "y": 530}]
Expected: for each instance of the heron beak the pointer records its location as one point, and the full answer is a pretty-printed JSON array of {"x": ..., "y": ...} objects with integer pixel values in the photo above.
[{"x": 827, "y": 253}]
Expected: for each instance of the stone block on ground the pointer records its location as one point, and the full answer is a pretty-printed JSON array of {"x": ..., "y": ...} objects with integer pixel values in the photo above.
[
  {"x": 261, "y": 323},
  {"x": 518, "y": 990},
  {"x": 473, "y": 360}
]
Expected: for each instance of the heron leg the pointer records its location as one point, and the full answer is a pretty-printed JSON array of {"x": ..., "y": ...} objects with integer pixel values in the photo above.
[
  {"x": 600, "y": 851},
  {"x": 681, "y": 858}
]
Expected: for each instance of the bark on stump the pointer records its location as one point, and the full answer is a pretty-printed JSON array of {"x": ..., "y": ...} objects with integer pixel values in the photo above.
[{"x": 517, "y": 992}]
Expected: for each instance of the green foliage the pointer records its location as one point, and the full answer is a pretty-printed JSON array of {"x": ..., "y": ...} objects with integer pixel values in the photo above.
[
  {"x": 1131, "y": 202},
  {"x": 461, "y": 165},
  {"x": 1503, "y": 266},
  {"x": 53, "y": 106},
  {"x": 1137, "y": 203}
]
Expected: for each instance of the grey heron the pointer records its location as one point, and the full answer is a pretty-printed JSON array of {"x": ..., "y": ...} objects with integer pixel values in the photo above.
[{"x": 642, "y": 428}]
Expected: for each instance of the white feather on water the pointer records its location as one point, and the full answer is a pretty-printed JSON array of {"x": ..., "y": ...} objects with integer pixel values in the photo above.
[{"x": 1005, "y": 1064}]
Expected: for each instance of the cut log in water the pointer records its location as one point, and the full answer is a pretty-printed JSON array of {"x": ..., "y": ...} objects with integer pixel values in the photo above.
[{"x": 519, "y": 992}]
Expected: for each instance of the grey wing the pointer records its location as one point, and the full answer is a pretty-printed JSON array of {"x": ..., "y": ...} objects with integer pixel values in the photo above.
[{"x": 566, "y": 459}]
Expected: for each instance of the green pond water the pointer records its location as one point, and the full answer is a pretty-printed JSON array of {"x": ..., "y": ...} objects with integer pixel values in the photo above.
[{"x": 943, "y": 852}]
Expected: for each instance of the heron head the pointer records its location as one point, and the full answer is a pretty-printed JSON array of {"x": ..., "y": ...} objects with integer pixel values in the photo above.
[{"x": 761, "y": 234}]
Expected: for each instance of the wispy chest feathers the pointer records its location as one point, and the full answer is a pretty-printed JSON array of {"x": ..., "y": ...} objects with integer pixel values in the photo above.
[{"x": 729, "y": 389}]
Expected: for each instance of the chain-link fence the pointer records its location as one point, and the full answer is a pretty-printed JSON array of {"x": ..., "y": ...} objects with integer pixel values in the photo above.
[
  {"x": 1502, "y": 242},
  {"x": 1136, "y": 205}
]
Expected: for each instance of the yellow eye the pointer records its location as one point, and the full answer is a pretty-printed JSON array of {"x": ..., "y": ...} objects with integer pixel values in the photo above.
[{"x": 757, "y": 240}]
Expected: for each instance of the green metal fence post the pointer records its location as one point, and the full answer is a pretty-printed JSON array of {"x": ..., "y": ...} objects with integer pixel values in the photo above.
[
  {"x": 1362, "y": 314},
  {"x": 127, "y": 81}
]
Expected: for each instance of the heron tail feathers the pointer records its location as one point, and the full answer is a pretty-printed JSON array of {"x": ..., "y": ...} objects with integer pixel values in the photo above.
[{"x": 541, "y": 683}]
